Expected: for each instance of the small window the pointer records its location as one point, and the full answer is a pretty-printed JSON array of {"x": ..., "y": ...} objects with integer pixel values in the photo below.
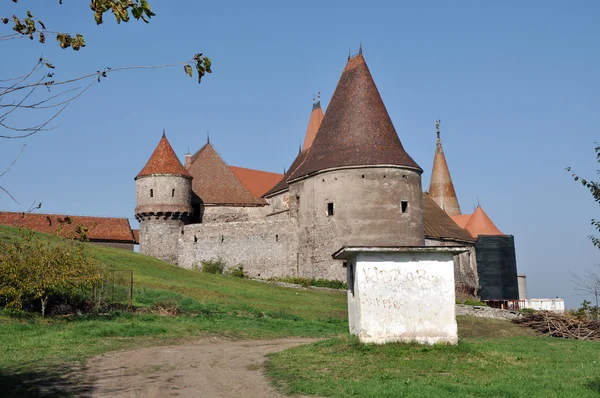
[
  {"x": 222, "y": 238},
  {"x": 363, "y": 176},
  {"x": 276, "y": 238},
  {"x": 404, "y": 205},
  {"x": 173, "y": 192},
  {"x": 330, "y": 209},
  {"x": 152, "y": 193},
  {"x": 195, "y": 239}
]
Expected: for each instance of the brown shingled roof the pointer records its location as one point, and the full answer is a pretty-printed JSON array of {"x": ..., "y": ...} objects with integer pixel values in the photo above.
[
  {"x": 357, "y": 129},
  {"x": 437, "y": 223},
  {"x": 257, "y": 182},
  {"x": 163, "y": 161},
  {"x": 99, "y": 228},
  {"x": 282, "y": 184},
  {"x": 314, "y": 122},
  {"x": 215, "y": 183},
  {"x": 481, "y": 224},
  {"x": 441, "y": 188}
]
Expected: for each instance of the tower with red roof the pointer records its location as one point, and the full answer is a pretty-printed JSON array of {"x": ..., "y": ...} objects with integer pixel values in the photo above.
[{"x": 163, "y": 202}]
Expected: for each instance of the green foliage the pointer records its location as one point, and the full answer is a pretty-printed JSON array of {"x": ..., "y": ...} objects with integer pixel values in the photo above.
[
  {"x": 594, "y": 188},
  {"x": 473, "y": 302},
  {"x": 35, "y": 269},
  {"x": 237, "y": 271},
  {"x": 213, "y": 266},
  {"x": 306, "y": 282},
  {"x": 527, "y": 311},
  {"x": 586, "y": 311}
]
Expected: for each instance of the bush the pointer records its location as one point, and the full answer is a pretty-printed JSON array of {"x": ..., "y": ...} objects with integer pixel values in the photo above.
[
  {"x": 237, "y": 272},
  {"x": 33, "y": 270},
  {"x": 213, "y": 266},
  {"x": 473, "y": 302},
  {"x": 306, "y": 282}
]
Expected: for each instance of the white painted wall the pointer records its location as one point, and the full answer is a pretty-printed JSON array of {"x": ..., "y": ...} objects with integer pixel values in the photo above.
[
  {"x": 402, "y": 297},
  {"x": 557, "y": 305}
]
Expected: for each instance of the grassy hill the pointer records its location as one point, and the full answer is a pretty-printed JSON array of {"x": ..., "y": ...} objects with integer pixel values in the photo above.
[{"x": 494, "y": 358}]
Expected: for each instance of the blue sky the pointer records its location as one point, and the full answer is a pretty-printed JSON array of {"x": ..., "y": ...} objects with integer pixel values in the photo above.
[{"x": 515, "y": 84}]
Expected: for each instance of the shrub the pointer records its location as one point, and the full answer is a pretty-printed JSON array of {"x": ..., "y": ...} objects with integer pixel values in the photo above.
[
  {"x": 237, "y": 271},
  {"x": 473, "y": 302},
  {"x": 34, "y": 270},
  {"x": 213, "y": 266}
]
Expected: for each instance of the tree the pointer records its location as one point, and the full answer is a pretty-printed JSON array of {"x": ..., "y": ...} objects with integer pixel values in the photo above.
[
  {"x": 589, "y": 283},
  {"x": 37, "y": 90}
]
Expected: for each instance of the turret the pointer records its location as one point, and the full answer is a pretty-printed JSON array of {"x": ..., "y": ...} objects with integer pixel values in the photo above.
[
  {"x": 441, "y": 188},
  {"x": 163, "y": 202}
]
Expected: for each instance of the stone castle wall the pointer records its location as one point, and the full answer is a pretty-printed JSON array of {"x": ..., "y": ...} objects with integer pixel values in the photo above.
[
  {"x": 264, "y": 248},
  {"x": 223, "y": 214},
  {"x": 367, "y": 210},
  {"x": 159, "y": 238}
]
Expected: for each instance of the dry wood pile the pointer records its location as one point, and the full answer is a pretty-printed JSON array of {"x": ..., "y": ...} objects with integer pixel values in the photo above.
[{"x": 561, "y": 325}]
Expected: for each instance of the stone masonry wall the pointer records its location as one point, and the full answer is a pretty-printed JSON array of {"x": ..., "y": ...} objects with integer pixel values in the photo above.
[
  {"x": 159, "y": 238},
  {"x": 367, "y": 210},
  {"x": 221, "y": 214},
  {"x": 264, "y": 248}
]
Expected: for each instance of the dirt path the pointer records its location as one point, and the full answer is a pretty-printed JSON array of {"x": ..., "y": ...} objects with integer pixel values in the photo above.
[{"x": 208, "y": 368}]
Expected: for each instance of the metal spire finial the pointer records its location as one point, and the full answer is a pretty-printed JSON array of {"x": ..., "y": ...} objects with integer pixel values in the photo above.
[
  {"x": 299, "y": 148},
  {"x": 319, "y": 96},
  {"x": 360, "y": 48},
  {"x": 164, "y": 133},
  {"x": 284, "y": 171},
  {"x": 207, "y": 137},
  {"x": 437, "y": 127},
  {"x": 349, "y": 52}
]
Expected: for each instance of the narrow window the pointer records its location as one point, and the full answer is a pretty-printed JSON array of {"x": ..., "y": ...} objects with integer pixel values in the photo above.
[
  {"x": 404, "y": 205},
  {"x": 330, "y": 209},
  {"x": 363, "y": 176},
  {"x": 195, "y": 239},
  {"x": 173, "y": 192},
  {"x": 152, "y": 193},
  {"x": 276, "y": 238},
  {"x": 222, "y": 238}
]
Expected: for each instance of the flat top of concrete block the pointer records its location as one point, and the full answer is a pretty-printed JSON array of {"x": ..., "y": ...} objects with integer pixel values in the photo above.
[{"x": 348, "y": 251}]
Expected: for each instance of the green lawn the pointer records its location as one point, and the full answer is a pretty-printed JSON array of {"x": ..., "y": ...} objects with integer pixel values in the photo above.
[
  {"x": 523, "y": 365},
  {"x": 493, "y": 358}
]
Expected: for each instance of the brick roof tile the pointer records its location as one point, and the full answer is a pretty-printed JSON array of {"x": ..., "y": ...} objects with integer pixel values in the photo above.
[
  {"x": 441, "y": 188},
  {"x": 437, "y": 224},
  {"x": 163, "y": 161}
]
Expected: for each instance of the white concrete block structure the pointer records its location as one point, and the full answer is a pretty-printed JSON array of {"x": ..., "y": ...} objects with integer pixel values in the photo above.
[{"x": 401, "y": 294}]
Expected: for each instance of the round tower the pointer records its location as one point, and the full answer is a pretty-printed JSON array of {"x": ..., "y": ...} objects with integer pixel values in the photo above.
[{"x": 163, "y": 191}]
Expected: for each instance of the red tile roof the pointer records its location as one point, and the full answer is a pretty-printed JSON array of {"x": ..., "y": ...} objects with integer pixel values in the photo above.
[
  {"x": 316, "y": 117},
  {"x": 215, "y": 183},
  {"x": 256, "y": 181},
  {"x": 136, "y": 235},
  {"x": 99, "y": 228},
  {"x": 357, "y": 129},
  {"x": 163, "y": 161},
  {"x": 437, "y": 224},
  {"x": 461, "y": 220},
  {"x": 481, "y": 224},
  {"x": 441, "y": 188}
]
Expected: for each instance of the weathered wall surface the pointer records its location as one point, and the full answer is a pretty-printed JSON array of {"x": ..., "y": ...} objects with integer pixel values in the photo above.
[
  {"x": 159, "y": 238},
  {"x": 402, "y": 297},
  {"x": 486, "y": 312},
  {"x": 367, "y": 210},
  {"x": 223, "y": 214},
  {"x": 163, "y": 194},
  {"x": 465, "y": 269},
  {"x": 265, "y": 248}
]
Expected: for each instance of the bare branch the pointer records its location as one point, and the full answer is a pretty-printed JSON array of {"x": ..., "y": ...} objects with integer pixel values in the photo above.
[{"x": 14, "y": 161}]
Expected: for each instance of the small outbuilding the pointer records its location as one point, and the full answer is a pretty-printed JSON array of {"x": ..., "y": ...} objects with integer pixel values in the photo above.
[{"x": 401, "y": 294}]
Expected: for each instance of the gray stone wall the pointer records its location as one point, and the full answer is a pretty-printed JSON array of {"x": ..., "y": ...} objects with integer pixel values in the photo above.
[
  {"x": 159, "y": 238},
  {"x": 465, "y": 268},
  {"x": 486, "y": 312},
  {"x": 264, "y": 248},
  {"x": 367, "y": 210},
  {"x": 163, "y": 193},
  {"x": 222, "y": 214}
]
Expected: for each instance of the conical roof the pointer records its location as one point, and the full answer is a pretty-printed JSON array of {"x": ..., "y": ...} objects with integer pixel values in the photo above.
[
  {"x": 357, "y": 129},
  {"x": 215, "y": 183},
  {"x": 316, "y": 117},
  {"x": 163, "y": 161},
  {"x": 481, "y": 224},
  {"x": 441, "y": 188},
  {"x": 282, "y": 185},
  {"x": 437, "y": 224}
]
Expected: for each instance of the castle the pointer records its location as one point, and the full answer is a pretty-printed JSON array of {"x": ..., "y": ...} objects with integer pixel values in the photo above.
[{"x": 352, "y": 184}]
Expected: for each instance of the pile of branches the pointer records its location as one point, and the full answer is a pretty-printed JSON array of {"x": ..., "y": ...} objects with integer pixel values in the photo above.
[{"x": 561, "y": 325}]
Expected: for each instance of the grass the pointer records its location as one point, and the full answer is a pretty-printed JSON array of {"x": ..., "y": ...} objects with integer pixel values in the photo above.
[{"x": 492, "y": 359}]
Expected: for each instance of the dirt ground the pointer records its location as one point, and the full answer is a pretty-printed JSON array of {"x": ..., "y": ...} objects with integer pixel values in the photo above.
[{"x": 207, "y": 368}]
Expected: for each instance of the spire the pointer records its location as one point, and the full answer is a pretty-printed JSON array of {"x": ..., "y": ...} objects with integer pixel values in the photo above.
[
  {"x": 163, "y": 161},
  {"x": 441, "y": 188},
  {"x": 357, "y": 129},
  {"x": 314, "y": 122},
  {"x": 207, "y": 137},
  {"x": 164, "y": 136},
  {"x": 480, "y": 224}
]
